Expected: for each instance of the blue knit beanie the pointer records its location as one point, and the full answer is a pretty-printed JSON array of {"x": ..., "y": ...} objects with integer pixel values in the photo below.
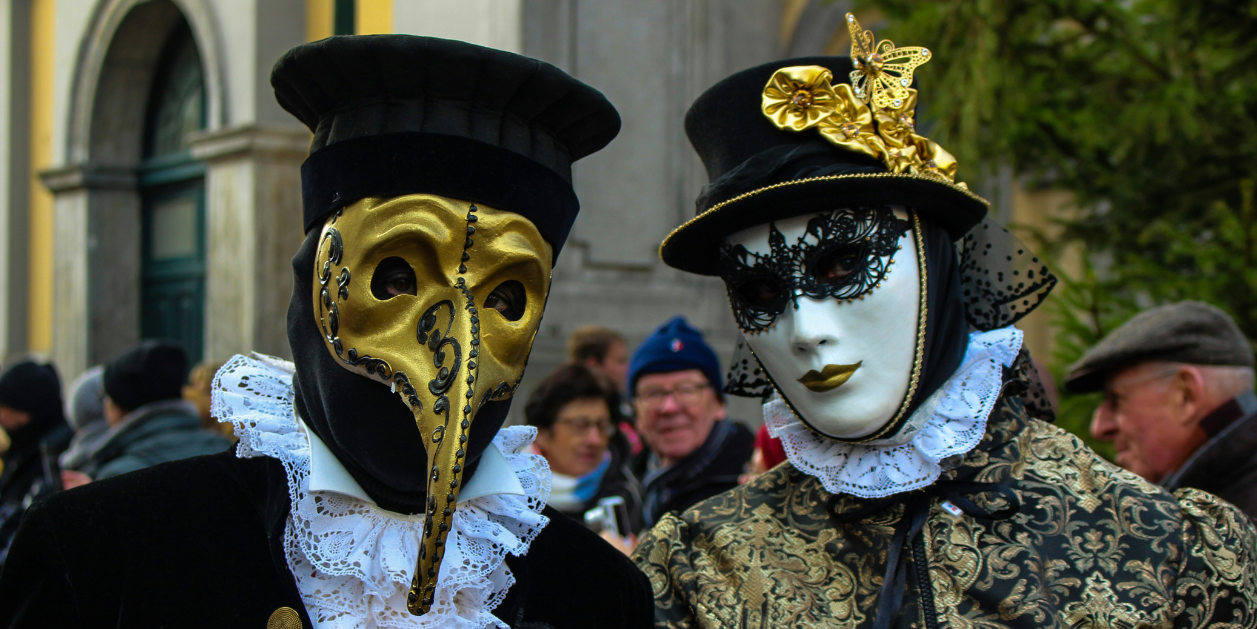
[{"x": 675, "y": 346}]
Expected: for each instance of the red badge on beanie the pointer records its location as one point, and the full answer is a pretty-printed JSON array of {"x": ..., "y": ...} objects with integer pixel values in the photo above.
[{"x": 677, "y": 345}]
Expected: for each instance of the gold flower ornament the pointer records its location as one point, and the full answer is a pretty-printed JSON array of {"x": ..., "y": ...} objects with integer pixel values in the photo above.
[
  {"x": 875, "y": 115},
  {"x": 799, "y": 97}
]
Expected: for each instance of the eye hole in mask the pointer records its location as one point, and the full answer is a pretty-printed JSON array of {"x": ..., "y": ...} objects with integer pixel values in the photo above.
[
  {"x": 843, "y": 255},
  {"x": 762, "y": 291},
  {"x": 835, "y": 266},
  {"x": 392, "y": 277},
  {"x": 509, "y": 299}
]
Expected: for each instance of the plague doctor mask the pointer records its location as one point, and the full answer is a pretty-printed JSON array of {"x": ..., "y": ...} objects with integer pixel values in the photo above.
[
  {"x": 436, "y": 198},
  {"x": 440, "y": 300}
]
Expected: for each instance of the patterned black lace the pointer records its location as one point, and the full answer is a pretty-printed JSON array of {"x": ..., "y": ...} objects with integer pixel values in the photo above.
[{"x": 843, "y": 254}]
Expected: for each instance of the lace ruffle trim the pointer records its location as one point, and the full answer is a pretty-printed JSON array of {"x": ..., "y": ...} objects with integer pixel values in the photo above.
[
  {"x": 955, "y": 427},
  {"x": 352, "y": 560}
]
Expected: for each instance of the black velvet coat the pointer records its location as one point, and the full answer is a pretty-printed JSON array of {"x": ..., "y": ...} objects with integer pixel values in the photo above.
[{"x": 200, "y": 543}]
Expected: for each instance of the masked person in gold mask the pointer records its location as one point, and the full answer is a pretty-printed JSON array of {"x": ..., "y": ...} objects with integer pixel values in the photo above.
[
  {"x": 373, "y": 484},
  {"x": 923, "y": 487}
]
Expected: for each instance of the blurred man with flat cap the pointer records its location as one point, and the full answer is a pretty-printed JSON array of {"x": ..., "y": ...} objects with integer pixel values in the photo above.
[
  {"x": 1178, "y": 400},
  {"x": 374, "y": 484}
]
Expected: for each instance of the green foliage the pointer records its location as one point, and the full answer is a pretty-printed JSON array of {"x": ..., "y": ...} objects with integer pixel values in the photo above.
[{"x": 1145, "y": 110}]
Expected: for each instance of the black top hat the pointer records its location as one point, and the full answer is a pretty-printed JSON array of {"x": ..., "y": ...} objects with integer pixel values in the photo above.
[
  {"x": 759, "y": 172},
  {"x": 402, "y": 114}
]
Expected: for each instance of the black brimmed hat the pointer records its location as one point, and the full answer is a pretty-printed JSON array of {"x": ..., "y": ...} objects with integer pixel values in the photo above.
[
  {"x": 402, "y": 114},
  {"x": 760, "y": 170}
]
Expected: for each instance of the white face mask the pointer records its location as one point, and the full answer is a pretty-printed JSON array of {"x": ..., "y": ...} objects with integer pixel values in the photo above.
[{"x": 827, "y": 299}]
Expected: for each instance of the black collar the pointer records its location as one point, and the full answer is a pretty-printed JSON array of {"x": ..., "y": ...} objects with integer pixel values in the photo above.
[{"x": 1225, "y": 415}]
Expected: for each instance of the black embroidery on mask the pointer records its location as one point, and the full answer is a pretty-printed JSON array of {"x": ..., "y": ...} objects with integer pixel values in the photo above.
[
  {"x": 471, "y": 229},
  {"x": 503, "y": 388},
  {"x": 329, "y": 318},
  {"x": 437, "y": 341},
  {"x": 842, "y": 254}
]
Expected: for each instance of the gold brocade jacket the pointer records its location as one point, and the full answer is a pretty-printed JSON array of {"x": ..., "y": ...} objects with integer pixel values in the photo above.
[{"x": 1090, "y": 545}]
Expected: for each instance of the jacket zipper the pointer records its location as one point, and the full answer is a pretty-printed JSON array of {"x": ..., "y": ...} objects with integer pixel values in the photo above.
[{"x": 925, "y": 592}]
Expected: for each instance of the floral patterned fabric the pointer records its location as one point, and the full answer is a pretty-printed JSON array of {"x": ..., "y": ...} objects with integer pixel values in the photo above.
[{"x": 1090, "y": 545}]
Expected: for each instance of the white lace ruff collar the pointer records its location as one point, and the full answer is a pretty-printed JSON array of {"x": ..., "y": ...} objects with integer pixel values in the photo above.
[
  {"x": 353, "y": 560},
  {"x": 951, "y": 422}
]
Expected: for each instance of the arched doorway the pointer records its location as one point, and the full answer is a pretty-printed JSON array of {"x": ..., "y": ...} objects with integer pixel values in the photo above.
[
  {"x": 144, "y": 208},
  {"x": 172, "y": 192}
]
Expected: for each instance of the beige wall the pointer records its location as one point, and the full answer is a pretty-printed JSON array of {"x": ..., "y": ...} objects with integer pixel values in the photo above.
[{"x": 493, "y": 23}]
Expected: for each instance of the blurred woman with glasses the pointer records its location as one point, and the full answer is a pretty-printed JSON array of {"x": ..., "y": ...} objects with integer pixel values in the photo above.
[{"x": 576, "y": 412}]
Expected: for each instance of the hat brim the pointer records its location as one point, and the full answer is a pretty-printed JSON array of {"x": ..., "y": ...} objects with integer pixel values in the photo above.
[
  {"x": 1088, "y": 381},
  {"x": 694, "y": 246}
]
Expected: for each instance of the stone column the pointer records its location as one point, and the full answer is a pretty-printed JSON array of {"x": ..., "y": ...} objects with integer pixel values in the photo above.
[
  {"x": 14, "y": 176},
  {"x": 253, "y": 228},
  {"x": 96, "y": 308}
]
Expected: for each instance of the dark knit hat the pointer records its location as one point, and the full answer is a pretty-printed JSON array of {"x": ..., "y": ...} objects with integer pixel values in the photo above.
[
  {"x": 1187, "y": 332},
  {"x": 32, "y": 388},
  {"x": 152, "y": 371},
  {"x": 675, "y": 346}
]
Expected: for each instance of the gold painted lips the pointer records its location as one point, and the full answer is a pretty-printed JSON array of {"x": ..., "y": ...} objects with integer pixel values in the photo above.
[{"x": 829, "y": 378}]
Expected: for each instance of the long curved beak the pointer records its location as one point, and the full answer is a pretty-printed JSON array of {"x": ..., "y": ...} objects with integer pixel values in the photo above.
[{"x": 455, "y": 352}]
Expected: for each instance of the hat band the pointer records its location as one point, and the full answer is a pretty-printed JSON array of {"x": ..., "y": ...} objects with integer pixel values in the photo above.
[{"x": 451, "y": 166}]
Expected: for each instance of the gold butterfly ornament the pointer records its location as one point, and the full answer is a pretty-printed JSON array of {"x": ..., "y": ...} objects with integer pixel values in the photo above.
[{"x": 875, "y": 115}]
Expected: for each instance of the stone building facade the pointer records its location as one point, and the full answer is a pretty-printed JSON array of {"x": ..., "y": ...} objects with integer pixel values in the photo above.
[{"x": 152, "y": 183}]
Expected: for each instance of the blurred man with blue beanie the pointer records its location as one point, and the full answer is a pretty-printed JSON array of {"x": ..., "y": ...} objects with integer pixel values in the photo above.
[{"x": 693, "y": 452}]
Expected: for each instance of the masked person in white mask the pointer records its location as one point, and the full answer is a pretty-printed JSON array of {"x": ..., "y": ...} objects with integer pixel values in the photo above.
[{"x": 924, "y": 487}]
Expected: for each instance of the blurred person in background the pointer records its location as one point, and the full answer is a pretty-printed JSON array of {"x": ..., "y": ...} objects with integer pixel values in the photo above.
[
  {"x": 602, "y": 349},
  {"x": 31, "y": 413},
  {"x": 149, "y": 421},
  {"x": 605, "y": 351},
  {"x": 693, "y": 452},
  {"x": 85, "y": 411},
  {"x": 768, "y": 454},
  {"x": 576, "y": 411},
  {"x": 1178, "y": 400},
  {"x": 197, "y": 391}
]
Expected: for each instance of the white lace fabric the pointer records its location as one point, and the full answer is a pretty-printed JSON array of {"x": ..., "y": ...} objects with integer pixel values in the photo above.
[
  {"x": 352, "y": 560},
  {"x": 954, "y": 427}
]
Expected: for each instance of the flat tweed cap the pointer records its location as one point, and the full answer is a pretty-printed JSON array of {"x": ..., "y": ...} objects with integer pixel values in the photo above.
[{"x": 1187, "y": 332}]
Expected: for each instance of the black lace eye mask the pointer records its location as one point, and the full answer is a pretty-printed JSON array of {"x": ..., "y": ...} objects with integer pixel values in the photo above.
[{"x": 842, "y": 254}]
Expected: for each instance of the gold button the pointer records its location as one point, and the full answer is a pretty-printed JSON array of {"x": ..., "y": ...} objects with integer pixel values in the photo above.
[{"x": 284, "y": 618}]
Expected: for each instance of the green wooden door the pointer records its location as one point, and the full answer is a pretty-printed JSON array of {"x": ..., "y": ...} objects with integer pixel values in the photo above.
[
  {"x": 172, "y": 187},
  {"x": 173, "y": 277}
]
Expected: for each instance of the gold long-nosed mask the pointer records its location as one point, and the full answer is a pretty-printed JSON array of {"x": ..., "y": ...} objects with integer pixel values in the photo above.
[{"x": 439, "y": 299}]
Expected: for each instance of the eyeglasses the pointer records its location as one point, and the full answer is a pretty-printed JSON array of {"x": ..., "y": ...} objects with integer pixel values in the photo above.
[
  {"x": 686, "y": 395},
  {"x": 1113, "y": 395},
  {"x": 581, "y": 426}
]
